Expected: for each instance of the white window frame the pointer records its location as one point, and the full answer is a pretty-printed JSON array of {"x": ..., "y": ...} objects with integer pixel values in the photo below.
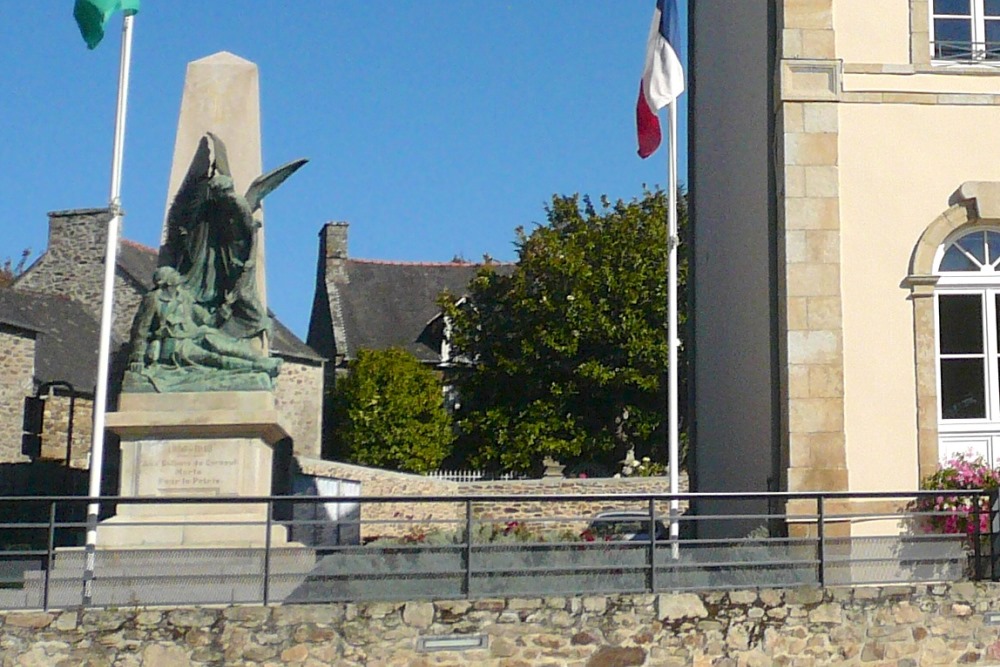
[
  {"x": 978, "y": 35},
  {"x": 991, "y": 351},
  {"x": 986, "y": 283}
]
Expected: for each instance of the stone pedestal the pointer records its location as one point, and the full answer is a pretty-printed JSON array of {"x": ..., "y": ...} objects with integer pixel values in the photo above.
[{"x": 206, "y": 444}]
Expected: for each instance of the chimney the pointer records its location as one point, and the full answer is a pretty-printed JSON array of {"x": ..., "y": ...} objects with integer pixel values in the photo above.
[
  {"x": 73, "y": 263},
  {"x": 333, "y": 250},
  {"x": 80, "y": 233},
  {"x": 335, "y": 235},
  {"x": 326, "y": 324}
]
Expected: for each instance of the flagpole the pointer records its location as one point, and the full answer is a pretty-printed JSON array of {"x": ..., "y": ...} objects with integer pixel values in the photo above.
[
  {"x": 104, "y": 354},
  {"x": 672, "y": 339}
]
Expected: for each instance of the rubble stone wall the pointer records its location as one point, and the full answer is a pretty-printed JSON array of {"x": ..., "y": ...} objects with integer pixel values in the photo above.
[
  {"x": 56, "y": 427},
  {"x": 299, "y": 400},
  {"x": 17, "y": 367},
  {"x": 391, "y": 519},
  {"x": 73, "y": 266},
  {"x": 901, "y": 626}
]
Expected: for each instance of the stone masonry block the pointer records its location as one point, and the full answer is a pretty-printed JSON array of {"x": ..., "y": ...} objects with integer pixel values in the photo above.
[
  {"x": 822, "y": 246},
  {"x": 818, "y": 44},
  {"x": 791, "y": 43},
  {"x": 792, "y": 114},
  {"x": 817, "y": 479},
  {"x": 909, "y": 98},
  {"x": 813, "y": 347},
  {"x": 813, "y": 279},
  {"x": 812, "y": 213},
  {"x": 798, "y": 381},
  {"x": 821, "y": 181},
  {"x": 824, "y": 313},
  {"x": 811, "y": 14},
  {"x": 820, "y": 117},
  {"x": 819, "y": 450},
  {"x": 811, "y": 148},
  {"x": 797, "y": 314},
  {"x": 795, "y": 247},
  {"x": 826, "y": 381},
  {"x": 795, "y": 181},
  {"x": 816, "y": 415}
]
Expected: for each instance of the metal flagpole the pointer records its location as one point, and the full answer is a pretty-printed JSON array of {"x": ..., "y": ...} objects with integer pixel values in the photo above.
[
  {"x": 672, "y": 341},
  {"x": 104, "y": 355}
]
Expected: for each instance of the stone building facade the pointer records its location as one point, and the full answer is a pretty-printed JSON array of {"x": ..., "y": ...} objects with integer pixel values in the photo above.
[
  {"x": 50, "y": 352},
  {"x": 838, "y": 154},
  {"x": 73, "y": 265}
]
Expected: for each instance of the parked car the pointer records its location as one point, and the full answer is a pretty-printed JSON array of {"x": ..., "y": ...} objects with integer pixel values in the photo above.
[{"x": 624, "y": 526}]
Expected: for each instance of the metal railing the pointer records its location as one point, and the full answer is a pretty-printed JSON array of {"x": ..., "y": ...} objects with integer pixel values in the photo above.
[
  {"x": 967, "y": 52},
  {"x": 179, "y": 550}
]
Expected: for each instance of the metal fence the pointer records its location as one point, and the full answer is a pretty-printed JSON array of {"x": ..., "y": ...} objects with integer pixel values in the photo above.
[{"x": 449, "y": 547}]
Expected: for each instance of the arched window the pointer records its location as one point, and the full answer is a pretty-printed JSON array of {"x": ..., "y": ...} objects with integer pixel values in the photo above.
[{"x": 967, "y": 316}]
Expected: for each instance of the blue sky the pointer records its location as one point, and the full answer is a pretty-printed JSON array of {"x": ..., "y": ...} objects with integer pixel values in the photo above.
[{"x": 435, "y": 127}]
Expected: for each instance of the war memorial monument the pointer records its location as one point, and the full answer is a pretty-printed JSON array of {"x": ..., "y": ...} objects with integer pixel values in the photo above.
[{"x": 196, "y": 415}]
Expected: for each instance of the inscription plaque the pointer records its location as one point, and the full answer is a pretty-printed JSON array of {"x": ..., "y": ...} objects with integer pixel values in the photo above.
[{"x": 171, "y": 468}]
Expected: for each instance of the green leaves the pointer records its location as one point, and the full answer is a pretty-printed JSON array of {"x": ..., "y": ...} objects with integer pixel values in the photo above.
[
  {"x": 572, "y": 340},
  {"x": 389, "y": 412}
]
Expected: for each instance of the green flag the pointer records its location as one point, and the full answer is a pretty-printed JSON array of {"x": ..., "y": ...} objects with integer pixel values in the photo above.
[{"x": 93, "y": 15}]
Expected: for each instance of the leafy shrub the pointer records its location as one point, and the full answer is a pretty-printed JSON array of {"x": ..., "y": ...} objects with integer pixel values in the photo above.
[{"x": 389, "y": 412}]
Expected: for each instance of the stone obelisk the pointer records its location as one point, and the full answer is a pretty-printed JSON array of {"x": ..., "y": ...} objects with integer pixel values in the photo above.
[
  {"x": 222, "y": 96},
  {"x": 202, "y": 443}
]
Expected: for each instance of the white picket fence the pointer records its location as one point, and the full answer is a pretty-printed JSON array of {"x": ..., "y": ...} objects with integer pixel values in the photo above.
[{"x": 470, "y": 475}]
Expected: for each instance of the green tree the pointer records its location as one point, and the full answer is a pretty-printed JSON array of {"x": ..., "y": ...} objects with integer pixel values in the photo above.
[
  {"x": 569, "y": 350},
  {"x": 389, "y": 412},
  {"x": 9, "y": 271}
]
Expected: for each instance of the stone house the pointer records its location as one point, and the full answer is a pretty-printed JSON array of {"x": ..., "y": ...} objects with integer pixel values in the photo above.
[
  {"x": 376, "y": 304},
  {"x": 50, "y": 325},
  {"x": 46, "y": 340},
  {"x": 845, "y": 204}
]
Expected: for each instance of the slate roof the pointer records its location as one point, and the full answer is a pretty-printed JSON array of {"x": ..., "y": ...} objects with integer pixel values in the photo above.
[
  {"x": 67, "y": 335},
  {"x": 286, "y": 344},
  {"x": 139, "y": 261},
  {"x": 390, "y": 304}
]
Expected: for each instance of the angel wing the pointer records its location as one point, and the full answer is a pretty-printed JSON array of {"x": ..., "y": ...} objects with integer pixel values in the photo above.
[{"x": 267, "y": 183}]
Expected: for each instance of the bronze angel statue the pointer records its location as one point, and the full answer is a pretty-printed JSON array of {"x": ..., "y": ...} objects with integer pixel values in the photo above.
[
  {"x": 195, "y": 330},
  {"x": 212, "y": 238}
]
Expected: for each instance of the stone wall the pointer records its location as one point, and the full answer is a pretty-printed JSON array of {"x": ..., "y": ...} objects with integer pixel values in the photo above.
[
  {"x": 383, "y": 519},
  {"x": 559, "y": 515},
  {"x": 299, "y": 400},
  {"x": 73, "y": 265},
  {"x": 17, "y": 366},
  {"x": 902, "y": 626},
  {"x": 56, "y": 426},
  {"x": 394, "y": 518}
]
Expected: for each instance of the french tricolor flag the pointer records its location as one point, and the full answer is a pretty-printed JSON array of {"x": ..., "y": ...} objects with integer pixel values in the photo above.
[{"x": 662, "y": 77}]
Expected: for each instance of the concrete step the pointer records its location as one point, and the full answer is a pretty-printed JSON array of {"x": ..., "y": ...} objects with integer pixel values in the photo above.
[{"x": 140, "y": 577}]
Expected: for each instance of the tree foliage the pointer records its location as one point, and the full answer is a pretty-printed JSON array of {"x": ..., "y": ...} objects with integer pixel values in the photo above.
[
  {"x": 569, "y": 350},
  {"x": 389, "y": 412},
  {"x": 9, "y": 271}
]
